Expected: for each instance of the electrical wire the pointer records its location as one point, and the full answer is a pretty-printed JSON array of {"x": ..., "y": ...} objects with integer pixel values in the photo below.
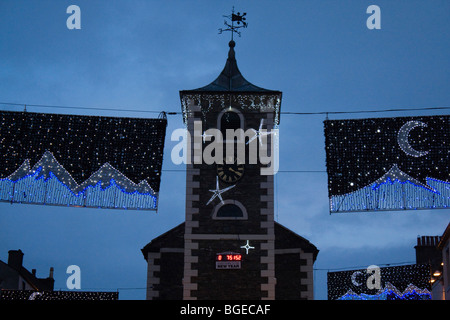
[
  {"x": 364, "y": 267},
  {"x": 367, "y": 111},
  {"x": 25, "y": 105},
  {"x": 179, "y": 113}
]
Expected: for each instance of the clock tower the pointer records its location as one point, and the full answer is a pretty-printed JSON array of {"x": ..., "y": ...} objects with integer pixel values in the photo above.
[
  {"x": 229, "y": 246},
  {"x": 229, "y": 203}
]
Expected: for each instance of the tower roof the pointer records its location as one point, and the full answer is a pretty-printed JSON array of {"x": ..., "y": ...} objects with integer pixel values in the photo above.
[
  {"x": 231, "y": 79},
  {"x": 231, "y": 82}
]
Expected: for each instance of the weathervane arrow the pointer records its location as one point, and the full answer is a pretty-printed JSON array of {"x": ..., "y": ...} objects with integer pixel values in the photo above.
[{"x": 240, "y": 21}]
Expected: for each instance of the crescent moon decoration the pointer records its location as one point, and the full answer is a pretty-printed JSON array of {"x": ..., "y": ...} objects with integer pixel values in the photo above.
[
  {"x": 354, "y": 275},
  {"x": 403, "y": 136}
]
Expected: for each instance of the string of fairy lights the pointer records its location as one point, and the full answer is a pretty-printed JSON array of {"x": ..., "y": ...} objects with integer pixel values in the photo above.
[
  {"x": 164, "y": 114},
  {"x": 322, "y": 113},
  {"x": 82, "y": 161},
  {"x": 172, "y": 113}
]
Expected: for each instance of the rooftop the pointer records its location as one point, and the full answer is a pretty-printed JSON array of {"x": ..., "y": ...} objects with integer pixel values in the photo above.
[{"x": 231, "y": 79}]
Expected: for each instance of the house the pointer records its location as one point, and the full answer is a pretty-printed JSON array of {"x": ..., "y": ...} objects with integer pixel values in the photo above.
[
  {"x": 441, "y": 275},
  {"x": 14, "y": 276}
]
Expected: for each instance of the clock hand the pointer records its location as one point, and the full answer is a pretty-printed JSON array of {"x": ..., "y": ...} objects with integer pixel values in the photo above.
[{"x": 231, "y": 169}]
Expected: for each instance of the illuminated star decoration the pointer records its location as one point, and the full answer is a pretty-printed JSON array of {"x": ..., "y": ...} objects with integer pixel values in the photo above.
[
  {"x": 218, "y": 192},
  {"x": 204, "y": 136},
  {"x": 247, "y": 247},
  {"x": 259, "y": 133}
]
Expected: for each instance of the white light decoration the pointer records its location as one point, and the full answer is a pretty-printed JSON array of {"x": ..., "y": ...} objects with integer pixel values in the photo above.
[
  {"x": 390, "y": 292},
  {"x": 395, "y": 189},
  {"x": 388, "y": 163},
  {"x": 57, "y": 295},
  {"x": 48, "y": 182},
  {"x": 259, "y": 133},
  {"x": 247, "y": 247},
  {"x": 218, "y": 192},
  {"x": 250, "y": 102},
  {"x": 404, "y": 282},
  {"x": 403, "y": 138},
  {"x": 206, "y": 136},
  {"x": 81, "y": 161}
]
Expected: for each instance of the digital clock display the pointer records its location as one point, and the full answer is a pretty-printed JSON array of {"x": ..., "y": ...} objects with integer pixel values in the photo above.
[
  {"x": 228, "y": 257},
  {"x": 228, "y": 260}
]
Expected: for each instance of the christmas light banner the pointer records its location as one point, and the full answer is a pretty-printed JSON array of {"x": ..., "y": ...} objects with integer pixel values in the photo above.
[
  {"x": 408, "y": 282},
  {"x": 57, "y": 295},
  {"x": 81, "y": 161},
  {"x": 388, "y": 163}
]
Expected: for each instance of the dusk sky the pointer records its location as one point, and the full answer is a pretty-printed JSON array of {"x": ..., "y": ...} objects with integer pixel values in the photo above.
[{"x": 137, "y": 55}]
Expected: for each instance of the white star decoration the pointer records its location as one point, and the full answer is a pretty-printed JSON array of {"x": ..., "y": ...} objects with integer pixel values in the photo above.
[
  {"x": 204, "y": 136},
  {"x": 218, "y": 192},
  {"x": 247, "y": 247},
  {"x": 259, "y": 133}
]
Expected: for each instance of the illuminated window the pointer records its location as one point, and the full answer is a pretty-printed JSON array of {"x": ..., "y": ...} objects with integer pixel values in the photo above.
[
  {"x": 230, "y": 210},
  {"x": 230, "y": 118}
]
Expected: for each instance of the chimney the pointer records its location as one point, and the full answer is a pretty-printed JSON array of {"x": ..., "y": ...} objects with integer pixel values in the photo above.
[
  {"x": 51, "y": 273},
  {"x": 427, "y": 251},
  {"x": 15, "y": 259}
]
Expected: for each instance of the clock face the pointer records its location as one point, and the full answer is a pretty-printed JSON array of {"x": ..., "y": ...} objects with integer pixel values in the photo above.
[{"x": 230, "y": 172}]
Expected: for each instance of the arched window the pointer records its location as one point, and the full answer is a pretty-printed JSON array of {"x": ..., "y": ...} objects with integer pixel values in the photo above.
[
  {"x": 230, "y": 118},
  {"x": 230, "y": 210}
]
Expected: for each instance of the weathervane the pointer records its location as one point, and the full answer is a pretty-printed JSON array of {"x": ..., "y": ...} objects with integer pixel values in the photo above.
[{"x": 240, "y": 20}]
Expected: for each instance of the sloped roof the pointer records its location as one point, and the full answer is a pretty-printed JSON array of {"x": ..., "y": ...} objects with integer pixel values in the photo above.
[
  {"x": 38, "y": 284},
  {"x": 231, "y": 79},
  {"x": 284, "y": 239},
  {"x": 444, "y": 238},
  {"x": 174, "y": 238}
]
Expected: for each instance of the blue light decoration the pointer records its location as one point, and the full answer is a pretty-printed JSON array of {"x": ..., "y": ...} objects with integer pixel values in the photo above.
[
  {"x": 405, "y": 282},
  {"x": 49, "y": 183},
  {"x": 81, "y": 161},
  {"x": 58, "y": 295},
  {"x": 394, "y": 190},
  {"x": 390, "y": 292},
  {"x": 388, "y": 163}
]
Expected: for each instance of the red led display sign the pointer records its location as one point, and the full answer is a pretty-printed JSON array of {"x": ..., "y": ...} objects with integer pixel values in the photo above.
[
  {"x": 228, "y": 260},
  {"x": 228, "y": 257}
]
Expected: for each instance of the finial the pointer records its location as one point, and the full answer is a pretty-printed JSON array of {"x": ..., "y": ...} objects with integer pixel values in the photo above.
[
  {"x": 231, "y": 44},
  {"x": 240, "y": 20}
]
